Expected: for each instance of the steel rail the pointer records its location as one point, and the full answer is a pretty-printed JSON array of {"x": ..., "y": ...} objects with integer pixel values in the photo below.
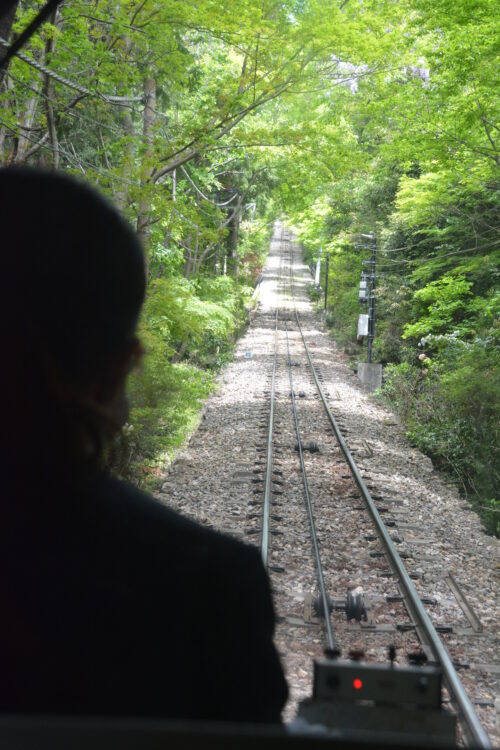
[
  {"x": 266, "y": 512},
  {"x": 319, "y": 566},
  {"x": 264, "y": 544},
  {"x": 473, "y": 728}
]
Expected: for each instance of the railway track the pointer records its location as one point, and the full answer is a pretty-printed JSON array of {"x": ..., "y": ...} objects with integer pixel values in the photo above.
[
  {"x": 417, "y": 621},
  {"x": 361, "y": 529}
]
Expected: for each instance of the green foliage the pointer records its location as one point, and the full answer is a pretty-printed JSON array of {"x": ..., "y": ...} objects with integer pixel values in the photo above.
[
  {"x": 228, "y": 300},
  {"x": 438, "y": 305},
  {"x": 166, "y": 399},
  {"x": 452, "y": 412},
  {"x": 253, "y": 246},
  {"x": 422, "y": 173},
  {"x": 490, "y": 512},
  {"x": 343, "y": 283},
  {"x": 347, "y": 117},
  {"x": 166, "y": 396}
]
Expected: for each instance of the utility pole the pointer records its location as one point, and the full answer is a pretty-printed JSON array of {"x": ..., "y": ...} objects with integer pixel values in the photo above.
[
  {"x": 371, "y": 299},
  {"x": 369, "y": 373},
  {"x": 326, "y": 277}
]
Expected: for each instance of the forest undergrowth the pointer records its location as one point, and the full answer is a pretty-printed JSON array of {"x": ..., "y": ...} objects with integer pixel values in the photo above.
[
  {"x": 166, "y": 396},
  {"x": 439, "y": 346}
]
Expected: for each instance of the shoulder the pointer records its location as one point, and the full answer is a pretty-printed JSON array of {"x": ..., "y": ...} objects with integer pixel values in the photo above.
[
  {"x": 172, "y": 581},
  {"x": 143, "y": 519},
  {"x": 166, "y": 549}
]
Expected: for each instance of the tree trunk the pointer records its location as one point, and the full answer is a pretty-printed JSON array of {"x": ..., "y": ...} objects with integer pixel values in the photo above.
[
  {"x": 25, "y": 146},
  {"x": 188, "y": 257},
  {"x": 6, "y": 21},
  {"x": 121, "y": 193},
  {"x": 166, "y": 242},
  {"x": 143, "y": 218},
  {"x": 48, "y": 90},
  {"x": 4, "y": 154},
  {"x": 27, "y": 119},
  {"x": 235, "y": 233},
  {"x": 179, "y": 355}
]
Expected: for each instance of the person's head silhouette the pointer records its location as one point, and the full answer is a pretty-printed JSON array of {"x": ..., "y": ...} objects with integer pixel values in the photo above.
[{"x": 71, "y": 292}]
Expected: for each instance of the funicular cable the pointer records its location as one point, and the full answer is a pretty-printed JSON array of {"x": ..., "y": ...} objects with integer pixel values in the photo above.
[{"x": 319, "y": 567}]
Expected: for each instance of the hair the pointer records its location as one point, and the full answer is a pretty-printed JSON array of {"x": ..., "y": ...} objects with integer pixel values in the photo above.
[{"x": 72, "y": 286}]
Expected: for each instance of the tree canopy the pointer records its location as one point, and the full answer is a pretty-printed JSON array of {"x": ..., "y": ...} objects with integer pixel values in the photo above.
[{"x": 205, "y": 120}]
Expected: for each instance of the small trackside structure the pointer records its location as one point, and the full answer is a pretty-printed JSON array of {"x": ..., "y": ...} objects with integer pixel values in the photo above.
[
  {"x": 370, "y": 374},
  {"x": 378, "y": 703}
]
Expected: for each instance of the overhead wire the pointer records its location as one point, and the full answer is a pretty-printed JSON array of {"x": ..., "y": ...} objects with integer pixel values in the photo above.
[
  {"x": 423, "y": 261},
  {"x": 79, "y": 162},
  {"x": 112, "y": 99},
  {"x": 75, "y": 160},
  {"x": 200, "y": 193},
  {"x": 15, "y": 47},
  {"x": 411, "y": 245},
  {"x": 63, "y": 108}
]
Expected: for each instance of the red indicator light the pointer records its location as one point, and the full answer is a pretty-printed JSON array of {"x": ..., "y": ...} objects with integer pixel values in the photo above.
[{"x": 357, "y": 683}]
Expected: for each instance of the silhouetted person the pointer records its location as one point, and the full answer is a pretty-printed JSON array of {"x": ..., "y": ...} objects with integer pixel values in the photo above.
[{"x": 110, "y": 603}]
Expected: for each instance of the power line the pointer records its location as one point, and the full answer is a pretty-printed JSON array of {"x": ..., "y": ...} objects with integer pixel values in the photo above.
[
  {"x": 125, "y": 102},
  {"x": 215, "y": 203},
  {"x": 71, "y": 84},
  {"x": 411, "y": 245},
  {"x": 28, "y": 32},
  {"x": 64, "y": 108},
  {"x": 75, "y": 160},
  {"x": 422, "y": 261}
]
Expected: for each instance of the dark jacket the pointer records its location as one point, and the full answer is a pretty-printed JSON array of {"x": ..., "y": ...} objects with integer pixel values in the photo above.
[{"x": 112, "y": 604}]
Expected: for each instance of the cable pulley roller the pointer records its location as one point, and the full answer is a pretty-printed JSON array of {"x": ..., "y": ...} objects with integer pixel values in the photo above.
[{"x": 355, "y": 605}]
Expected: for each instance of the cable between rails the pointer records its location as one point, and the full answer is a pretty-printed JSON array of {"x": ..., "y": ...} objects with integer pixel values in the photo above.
[
  {"x": 475, "y": 733},
  {"x": 319, "y": 566},
  {"x": 264, "y": 545},
  {"x": 269, "y": 465}
]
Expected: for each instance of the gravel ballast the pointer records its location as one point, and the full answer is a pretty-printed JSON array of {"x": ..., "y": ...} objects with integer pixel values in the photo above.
[{"x": 218, "y": 481}]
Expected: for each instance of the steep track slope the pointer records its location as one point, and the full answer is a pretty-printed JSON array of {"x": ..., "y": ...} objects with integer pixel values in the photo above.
[{"x": 220, "y": 480}]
